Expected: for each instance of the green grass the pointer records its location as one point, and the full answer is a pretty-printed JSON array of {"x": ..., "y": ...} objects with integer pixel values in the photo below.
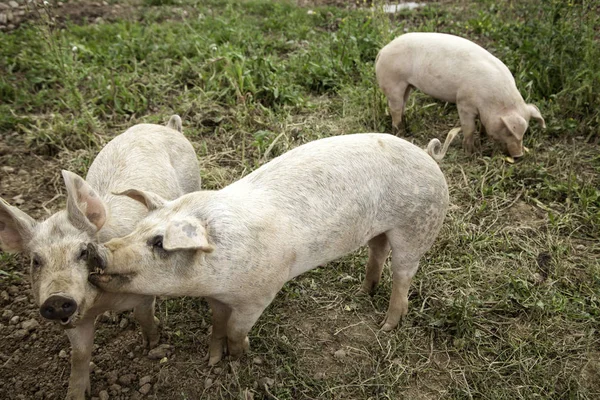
[{"x": 506, "y": 304}]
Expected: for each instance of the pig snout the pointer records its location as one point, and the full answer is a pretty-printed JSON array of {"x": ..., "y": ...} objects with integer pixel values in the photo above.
[
  {"x": 58, "y": 307},
  {"x": 517, "y": 155},
  {"x": 515, "y": 149},
  {"x": 110, "y": 282},
  {"x": 96, "y": 258},
  {"x": 99, "y": 280}
]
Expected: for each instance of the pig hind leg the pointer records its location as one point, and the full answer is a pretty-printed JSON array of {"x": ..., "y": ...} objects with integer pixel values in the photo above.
[
  {"x": 144, "y": 315},
  {"x": 397, "y": 96},
  {"x": 405, "y": 264},
  {"x": 409, "y": 88},
  {"x": 379, "y": 248}
]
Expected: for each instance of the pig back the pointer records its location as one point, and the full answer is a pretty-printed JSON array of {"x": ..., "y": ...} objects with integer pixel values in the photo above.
[
  {"x": 147, "y": 157},
  {"x": 443, "y": 65},
  {"x": 335, "y": 194}
]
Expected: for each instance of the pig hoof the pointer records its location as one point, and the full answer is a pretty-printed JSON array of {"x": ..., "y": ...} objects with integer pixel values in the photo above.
[
  {"x": 391, "y": 322},
  {"x": 151, "y": 342},
  {"x": 388, "y": 326},
  {"x": 469, "y": 147},
  {"x": 216, "y": 348},
  {"x": 367, "y": 288},
  {"x": 150, "y": 339},
  {"x": 76, "y": 396},
  {"x": 238, "y": 349},
  {"x": 214, "y": 360}
]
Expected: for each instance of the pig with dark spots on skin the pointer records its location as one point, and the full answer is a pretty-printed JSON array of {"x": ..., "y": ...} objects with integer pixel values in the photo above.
[{"x": 64, "y": 246}]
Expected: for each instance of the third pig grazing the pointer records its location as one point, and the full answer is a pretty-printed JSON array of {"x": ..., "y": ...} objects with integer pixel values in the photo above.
[
  {"x": 238, "y": 246},
  {"x": 456, "y": 70}
]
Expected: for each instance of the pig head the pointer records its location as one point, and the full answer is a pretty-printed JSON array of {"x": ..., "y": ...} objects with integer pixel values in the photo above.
[
  {"x": 58, "y": 249},
  {"x": 509, "y": 127}
]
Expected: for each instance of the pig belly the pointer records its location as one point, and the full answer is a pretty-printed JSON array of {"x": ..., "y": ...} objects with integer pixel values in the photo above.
[{"x": 438, "y": 84}]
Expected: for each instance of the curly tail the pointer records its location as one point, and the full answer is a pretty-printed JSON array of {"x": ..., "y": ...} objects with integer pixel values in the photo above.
[
  {"x": 434, "y": 148},
  {"x": 175, "y": 123}
]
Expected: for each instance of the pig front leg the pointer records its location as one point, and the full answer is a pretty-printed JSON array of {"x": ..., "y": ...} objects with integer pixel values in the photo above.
[
  {"x": 468, "y": 125},
  {"x": 218, "y": 336},
  {"x": 144, "y": 315},
  {"x": 82, "y": 342},
  {"x": 242, "y": 319}
]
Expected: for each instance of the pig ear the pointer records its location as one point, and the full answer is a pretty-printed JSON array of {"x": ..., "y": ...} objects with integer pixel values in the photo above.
[
  {"x": 515, "y": 124},
  {"x": 174, "y": 123},
  {"x": 186, "y": 234},
  {"x": 85, "y": 209},
  {"x": 534, "y": 112},
  {"x": 150, "y": 200},
  {"x": 16, "y": 228}
]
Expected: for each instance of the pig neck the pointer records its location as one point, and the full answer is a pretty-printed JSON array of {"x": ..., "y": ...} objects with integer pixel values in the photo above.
[
  {"x": 204, "y": 277},
  {"x": 239, "y": 226},
  {"x": 509, "y": 101},
  {"x": 489, "y": 119}
]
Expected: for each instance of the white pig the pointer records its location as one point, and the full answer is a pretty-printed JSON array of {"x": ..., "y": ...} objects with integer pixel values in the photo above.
[
  {"x": 238, "y": 246},
  {"x": 154, "y": 157},
  {"x": 459, "y": 71}
]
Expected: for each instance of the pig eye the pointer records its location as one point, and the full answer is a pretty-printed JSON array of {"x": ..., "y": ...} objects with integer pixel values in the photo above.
[
  {"x": 36, "y": 262},
  {"x": 157, "y": 242},
  {"x": 83, "y": 254}
]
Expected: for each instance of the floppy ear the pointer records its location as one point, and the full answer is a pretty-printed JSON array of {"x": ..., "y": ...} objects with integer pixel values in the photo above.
[
  {"x": 515, "y": 124},
  {"x": 175, "y": 123},
  {"x": 16, "y": 228},
  {"x": 186, "y": 234},
  {"x": 150, "y": 200},
  {"x": 85, "y": 209},
  {"x": 534, "y": 112}
]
